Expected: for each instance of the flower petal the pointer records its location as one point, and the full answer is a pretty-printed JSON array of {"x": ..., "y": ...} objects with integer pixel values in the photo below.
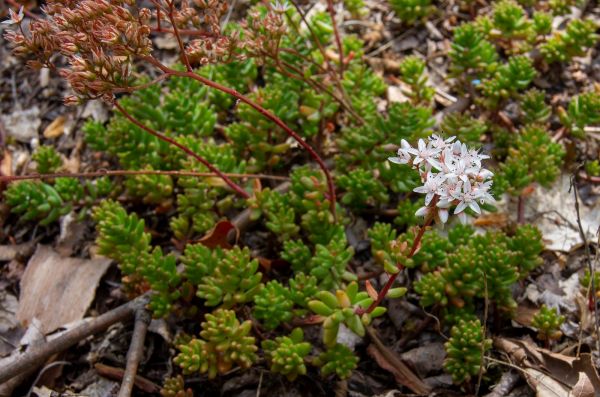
[
  {"x": 443, "y": 213},
  {"x": 398, "y": 160},
  {"x": 422, "y": 211},
  {"x": 460, "y": 207}
]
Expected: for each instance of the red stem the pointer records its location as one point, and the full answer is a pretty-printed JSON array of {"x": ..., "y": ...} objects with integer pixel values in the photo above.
[
  {"x": 184, "y": 32},
  {"x": 100, "y": 173},
  {"x": 190, "y": 152},
  {"x": 390, "y": 282},
  {"x": 336, "y": 33},
  {"x": 521, "y": 209},
  {"x": 267, "y": 114},
  {"x": 589, "y": 178},
  {"x": 186, "y": 60}
]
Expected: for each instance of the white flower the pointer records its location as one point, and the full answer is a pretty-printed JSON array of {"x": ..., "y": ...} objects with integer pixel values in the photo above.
[
  {"x": 466, "y": 198},
  {"x": 461, "y": 182},
  {"x": 14, "y": 17},
  {"x": 426, "y": 152},
  {"x": 403, "y": 154},
  {"x": 432, "y": 185}
]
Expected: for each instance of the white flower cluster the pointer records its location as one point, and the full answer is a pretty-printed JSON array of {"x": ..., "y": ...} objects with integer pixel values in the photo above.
[{"x": 451, "y": 173}]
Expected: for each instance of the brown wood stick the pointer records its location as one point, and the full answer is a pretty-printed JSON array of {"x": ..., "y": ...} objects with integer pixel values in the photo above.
[
  {"x": 136, "y": 351},
  {"x": 39, "y": 355}
]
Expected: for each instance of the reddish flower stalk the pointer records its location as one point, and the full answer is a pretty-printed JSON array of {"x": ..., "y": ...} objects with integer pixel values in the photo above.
[
  {"x": 238, "y": 189},
  {"x": 267, "y": 114},
  {"x": 416, "y": 242},
  {"x": 100, "y": 173},
  {"x": 336, "y": 33}
]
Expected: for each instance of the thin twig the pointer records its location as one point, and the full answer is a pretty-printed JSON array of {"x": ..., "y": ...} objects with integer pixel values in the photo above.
[
  {"x": 521, "y": 209},
  {"x": 39, "y": 355},
  {"x": 136, "y": 351},
  {"x": 588, "y": 256},
  {"x": 100, "y": 173},
  {"x": 336, "y": 33},
  {"x": 259, "y": 384},
  {"x": 39, "y": 375},
  {"x": 114, "y": 373},
  {"x": 186, "y": 60}
]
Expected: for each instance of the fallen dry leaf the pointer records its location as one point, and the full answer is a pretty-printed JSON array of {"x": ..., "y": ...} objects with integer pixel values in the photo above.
[
  {"x": 55, "y": 128},
  {"x": 544, "y": 385},
  {"x": 114, "y": 373},
  {"x": 218, "y": 236},
  {"x": 552, "y": 374},
  {"x": 58, "y": 290},
  {"x": 6, "y": 164},
  {"x": 389, "y": 361},
  {"x": 553, "y": 212},
  {"x": 8, "y": 310}
]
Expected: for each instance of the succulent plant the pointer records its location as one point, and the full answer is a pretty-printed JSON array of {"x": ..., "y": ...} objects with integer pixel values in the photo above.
[
  {"x": 233, "y": 279},
  {"x": 413, "y": 72},
  {"x": 583, "y": 110},
  {"x": 47, "y": 158},
  {"x": 586, "y": 282},
  {"x": 302, "y": 289},
  {"x": 328, "y": 264},
  {"x": 175, "y": 387},
  {"x": 121, "y": 237},
  {"x": 273, "y": 304},
  {"x": 286, "y": 354},
  {"x": 225, "y": 343},
  {"x": 471, "y": 54},
  {"x": 578, "y": 36},
  {"x": 280, "y": 215},
  {"x": 464, "y": 350},
  {"x": 342, "y": 308},
  {"x": 592, "y": 168},
  {"x": 411, "y": 11},
  {"x": 548, "y": 322},
  {"x": 510, "y": 23},
  {"x": 69, "y": 189},
  {"x": 36, "y": 201},
  {"x": 466, "y": 128},
  {"x": 298, "y": 254},
  {"x": 152, "y": 189},
  {"x": 362, "y": 189},
  {"x": 338, "y": 359},
  {"x": 533, "y": 157},
  {"x": 469, "y": 267},
  {"x": 527, "y": 244},
  {"x": 514, "y": 76},
  {"x": 534, "y": 108}
]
